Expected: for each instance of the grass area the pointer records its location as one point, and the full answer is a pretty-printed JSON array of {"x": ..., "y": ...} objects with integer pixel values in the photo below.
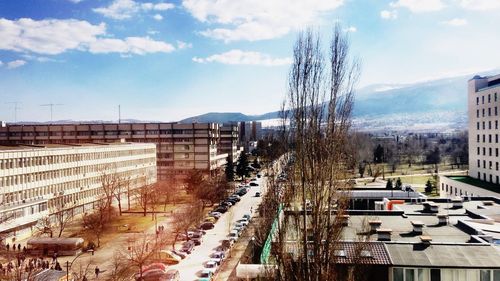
[
  {"x": 479, "y": 183},
  {"x": 403, "y": 169}
]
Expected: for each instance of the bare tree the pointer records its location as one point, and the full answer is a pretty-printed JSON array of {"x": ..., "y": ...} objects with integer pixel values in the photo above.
[
  {"x": 122, "y": 185},
  {"x": 321, "y": 97},
  {"x": 143, "y": 196},
  {"x": 139, "y": 252},
  {"x": 185, "y": 218},
  {"x": 45, "y": 226},
  {"x": 62, "y": 218},
  {"x": 109, "y": 183}
]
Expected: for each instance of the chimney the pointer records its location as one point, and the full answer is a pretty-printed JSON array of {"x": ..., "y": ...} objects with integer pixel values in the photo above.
[
  {"x": 417, "y": 226},
  {"x": 374, "y": 225},
  {"x": 442, "y": 219},
  {"x": 425, "y": 239},
  {"x": 384, "y": 234}
]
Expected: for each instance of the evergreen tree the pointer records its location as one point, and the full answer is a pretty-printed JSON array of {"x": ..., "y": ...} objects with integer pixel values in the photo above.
[
  {"x": 378, "y": 154},
  {"x": 229, "y": 170},
  {"x": 399, "y": 183},
  {"x": 242, "y": 167},
  {"x": 428, "y": 186},
  {"x": 389, "y": 184}
]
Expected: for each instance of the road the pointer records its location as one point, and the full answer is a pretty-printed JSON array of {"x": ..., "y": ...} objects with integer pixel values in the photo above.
[{"x": 191, "y": 266}]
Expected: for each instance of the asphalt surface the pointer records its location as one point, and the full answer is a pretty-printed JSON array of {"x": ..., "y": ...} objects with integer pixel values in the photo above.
[{"x": 190, "y": 267}]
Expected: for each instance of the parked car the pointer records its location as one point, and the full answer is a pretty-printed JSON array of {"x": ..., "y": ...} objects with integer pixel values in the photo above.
[
  {"x": 233, "y": 235},
  {"x": 214, "y": 214},
  {"x": 239, "y": 229},
  {"x": 234, "y": 197},
  {"x": 225, "y": 204},
  {"x": 180, "y": 254},
  {"x": 257, "y": 194},
  {"x": 166, "y": 257},
  {"x": 151, "y": 275},
  {"x": 187, "y": 247},
  {"x": 221, "y": 209},
  {"x": 206, "y": 275},
  {"x": 254, "y": 184},
  {"x": 211, "y": 265},
  {"x": 217, "y": 257},
  {"x": 207, "y": 226},
  {"x": 172, "y": 275},
  {"x": 197, "y": 238},
  {"x": 244, "y": 222},
  {"x": 247, "y": 216},
  {"x": 232, "y": 201}
]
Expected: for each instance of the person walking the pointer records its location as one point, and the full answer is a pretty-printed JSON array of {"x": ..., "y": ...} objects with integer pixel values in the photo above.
[{"x": 97, "y": 271}]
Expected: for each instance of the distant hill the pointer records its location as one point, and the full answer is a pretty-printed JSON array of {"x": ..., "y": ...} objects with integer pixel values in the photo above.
[{"x": 390, "y": 103}]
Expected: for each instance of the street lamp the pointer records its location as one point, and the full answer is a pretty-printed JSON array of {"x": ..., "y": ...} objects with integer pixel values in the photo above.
[
  {"x": 253, "y": 248},
  {"x": 68, "y": 264}
]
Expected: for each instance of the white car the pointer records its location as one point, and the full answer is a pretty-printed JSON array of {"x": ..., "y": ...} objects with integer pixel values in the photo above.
[
  {"x": 211, "y": 265},
  {"x": 244, "y": 222},
  {"x": 217, "y": 257},
  {"x": 216, "y": 215}
]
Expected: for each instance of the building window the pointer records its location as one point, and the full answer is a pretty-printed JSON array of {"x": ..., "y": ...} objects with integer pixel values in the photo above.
[
  {"x": 497, "y": 183},
  {"x": 490, "y": 151},
  {"x": 478, "y": 151},
  {"x": 478, "y": 138},
  {"x": 484, "y": 151},
  {"x": 478, "y": 163},
  {"x": 489, "y": 138},
  {"x": 477, "y": 113},
  {"x": 496, "y": 111},
  {"x": 489, "y": 125},
  {"x": 478, "y": 126},
  {"x": 491, "y": 165},
  {"x": 484, "y": 125},
  {"x": 496, "y": 152},
  {"x": 495, "y": 96},
  {"x": 489, "y": 111},
  {"x": 484, "y": 112},
  {"x": 477, "y": 100},
  {"x": 496, "y": 138},
  {"x": 496, "y": 166},
  {"x": 489, "y": 98},
  {"x": 482, "y": 98},
  {"x": 484, "y": 138},
  {"x": 484, "y": 176},
  {"x": 484, "y": 165}
]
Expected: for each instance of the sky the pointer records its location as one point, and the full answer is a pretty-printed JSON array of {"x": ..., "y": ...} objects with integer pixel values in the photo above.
[{"x": 165, "y": 60}]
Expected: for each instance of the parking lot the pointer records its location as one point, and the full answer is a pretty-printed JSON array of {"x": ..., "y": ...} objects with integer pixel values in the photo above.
[{"x": 190, "y": 267}]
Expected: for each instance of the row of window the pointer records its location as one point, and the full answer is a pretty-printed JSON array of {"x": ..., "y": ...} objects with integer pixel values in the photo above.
[
  {"x": 489, "y": 125},
  {"x": 60, "y": 188},
  {"x": 497, "y": 180},
  {"x": 22, "y": 162},
  {"x": 444, "y": 274},
  {"x": 490, "y": 166},
  {"x": 489, "y": 98},
  {"x": 489, "y": 112},
  {"x": 490, "y": 151},
  {"x": 490, "y": 138},
  {"x": 456, "y": 192},
  {"x": 69, "y": 172},
  {"x": 101, "y": 133}
]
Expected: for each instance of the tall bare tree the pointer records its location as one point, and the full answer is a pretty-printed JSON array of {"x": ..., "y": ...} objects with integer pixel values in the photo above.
[{"x": 320, "y": 100}]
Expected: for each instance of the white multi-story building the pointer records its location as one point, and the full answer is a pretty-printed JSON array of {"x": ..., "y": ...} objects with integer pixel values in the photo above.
[
  {"x": 484, "y": 146},
  {"x": 36, "y": 181}
]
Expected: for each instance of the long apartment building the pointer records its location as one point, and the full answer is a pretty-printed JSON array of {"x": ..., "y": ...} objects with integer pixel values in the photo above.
[
  {"x": 36, "y": 181},
  {"x": 484, "y": 146},
  {"x": 229, "y": 140},
  {"x": 180, "y": 147}
]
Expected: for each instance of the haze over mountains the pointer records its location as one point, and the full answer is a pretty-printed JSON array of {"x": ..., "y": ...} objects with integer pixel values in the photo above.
[{"x": 423, "y": 106}]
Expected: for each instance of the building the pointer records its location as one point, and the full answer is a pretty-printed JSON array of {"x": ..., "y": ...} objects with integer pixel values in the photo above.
[
  {"x": 229, "y": 141},
  {"x": 401, "y": 238},
  {"x": 180, "y": 147},
  {"x": 39, "y": 180},
  {"x": 249, "y": 133},
  {"x": 484, "y": 161}
]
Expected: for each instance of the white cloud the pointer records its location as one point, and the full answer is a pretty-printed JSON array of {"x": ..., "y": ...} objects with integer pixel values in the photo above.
[
  {"x": 257, "y": 20},
  {"x": 183, "y": 45},
  {"x": 419, "y": 6},
  {"x": 350, "y": 29},
  {"x": 52, "y": 37},
  {"x": 455, "y": 22},
  {"x": 389, "y": 15},
  {"x": 15, "y": 64},
  {"x": 158, "y": 17},
  {"x": 75, "y": 1},
  {"x": 130, "y": 45},
  {"x": 239, "y": 57},
  {"x": 480, "y": 4},
  {"x": 47, "y": 36},
  {"x": 1, "y": 63},
  {"x": 126, "y": 9}
]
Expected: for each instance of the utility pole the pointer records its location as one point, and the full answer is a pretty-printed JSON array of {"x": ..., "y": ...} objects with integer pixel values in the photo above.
[
  {"x": 16, "y": 108},
  {"x": 51, "y": 105},
  {"x": 119, "y": 114}
]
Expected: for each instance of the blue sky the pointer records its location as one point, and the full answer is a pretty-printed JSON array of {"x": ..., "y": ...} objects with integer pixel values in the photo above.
[{"x": 166, "y": 60}]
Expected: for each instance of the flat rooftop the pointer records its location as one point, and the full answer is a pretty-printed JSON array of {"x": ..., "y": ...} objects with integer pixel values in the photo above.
[
  {"x": 476, "y": 182},
  {"x": 44, "y": 146}
]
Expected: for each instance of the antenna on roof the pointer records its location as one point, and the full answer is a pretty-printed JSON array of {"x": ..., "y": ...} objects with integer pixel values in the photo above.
[
  {"x": 51, "y": 105},
  {"x": 15, "y": 107},
  {"x": 119, "y": 114}
]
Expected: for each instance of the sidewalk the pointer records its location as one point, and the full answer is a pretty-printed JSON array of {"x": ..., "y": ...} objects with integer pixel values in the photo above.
[{"x": 228, "y": 268}]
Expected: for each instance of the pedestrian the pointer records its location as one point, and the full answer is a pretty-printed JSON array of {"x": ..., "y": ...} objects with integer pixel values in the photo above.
[
  {"x": 97, "y": 272},
  {"x": 8, "y": 246},
  {"x": 19, "y": 247}
]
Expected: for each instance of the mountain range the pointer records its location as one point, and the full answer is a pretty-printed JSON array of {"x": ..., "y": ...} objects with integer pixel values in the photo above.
[{"x": 389, "y": 106}]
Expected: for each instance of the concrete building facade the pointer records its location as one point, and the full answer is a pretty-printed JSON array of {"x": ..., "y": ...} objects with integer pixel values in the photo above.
[
  {"x": 484, "y": 105},
  {"x": 229, "y": 140},
  {"x": 180, "y": 147},
  {"x": 36, "y": 181}
]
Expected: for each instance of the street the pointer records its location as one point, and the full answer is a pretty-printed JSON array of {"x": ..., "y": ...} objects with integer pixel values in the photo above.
[{"x": 191, "y": 266}]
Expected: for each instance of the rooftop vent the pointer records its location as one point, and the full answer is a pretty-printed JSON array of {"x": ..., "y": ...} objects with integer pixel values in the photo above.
[
  {"x": 425, "y": 239},
  {"x": 384, "y": 234},
  {"x": 442, "y": 219},
  {"x": 488, "y": 203},
  {"x": 374, "y": 225},
  {"x": 417, "y": 226}
]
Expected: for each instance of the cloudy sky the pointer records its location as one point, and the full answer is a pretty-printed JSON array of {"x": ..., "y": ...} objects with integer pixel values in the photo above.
[{"x": 166, "y": 60}]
